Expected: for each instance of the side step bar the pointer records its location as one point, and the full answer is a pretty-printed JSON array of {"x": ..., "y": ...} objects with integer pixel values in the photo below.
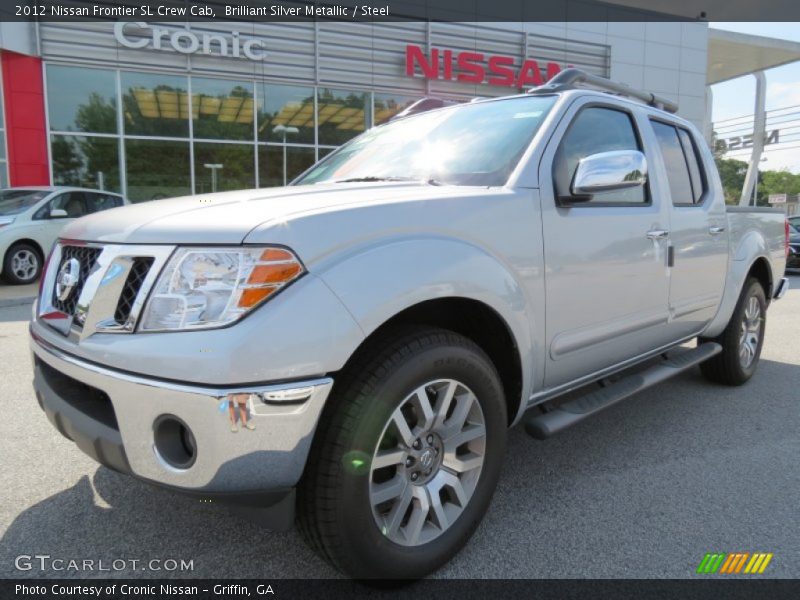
[{"x": 542, "y": 426}]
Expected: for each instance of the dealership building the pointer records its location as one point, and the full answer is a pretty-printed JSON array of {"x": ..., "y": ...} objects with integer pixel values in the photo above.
[{"x": 154, "y": 110}]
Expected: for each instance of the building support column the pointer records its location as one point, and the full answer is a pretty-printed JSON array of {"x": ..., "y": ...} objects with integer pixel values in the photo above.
[
  {"x": 759, "y": 135},
  {"x": 708, "y": 133},
  {"x": 26, "y": 131}
]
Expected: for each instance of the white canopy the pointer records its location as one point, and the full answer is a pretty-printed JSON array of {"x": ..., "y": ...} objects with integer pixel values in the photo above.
[{"x": 732, "y": 54}]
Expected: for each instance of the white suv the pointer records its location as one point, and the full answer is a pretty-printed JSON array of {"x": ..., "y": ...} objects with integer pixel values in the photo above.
[{"x": 31, "y": 218}]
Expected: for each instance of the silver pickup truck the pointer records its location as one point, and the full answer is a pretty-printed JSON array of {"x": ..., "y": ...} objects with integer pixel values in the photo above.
[{"x": 358, "y": 343}]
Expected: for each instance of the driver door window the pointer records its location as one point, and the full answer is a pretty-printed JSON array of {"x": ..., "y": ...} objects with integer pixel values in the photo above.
[
  {"x": 594, "y": 130},
  {"x": 71, "y": 202}
]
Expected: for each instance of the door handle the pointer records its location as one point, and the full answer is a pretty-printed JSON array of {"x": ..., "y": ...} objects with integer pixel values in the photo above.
[
  {"x": 658, "y": 234},
  {"x": 715, "y": 230}
]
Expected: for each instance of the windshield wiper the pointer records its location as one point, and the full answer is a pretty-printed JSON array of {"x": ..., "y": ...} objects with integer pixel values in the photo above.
[{"x": 369, "y": 178}]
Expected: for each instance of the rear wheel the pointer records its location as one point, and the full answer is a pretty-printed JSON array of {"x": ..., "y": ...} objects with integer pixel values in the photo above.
[
  {"x": 406, "y": 458},
  {"x": 22, "y": 264},
  {"x": 741, "y": 340}
]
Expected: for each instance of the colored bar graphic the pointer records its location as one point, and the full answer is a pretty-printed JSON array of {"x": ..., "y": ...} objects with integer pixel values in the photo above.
[
  {"x": 733, "y": 562},
  {"x": 701, "y": 568},
  {"x": 730, "y": 561},
  {"x": 765, "y": 563},
  {"x": 710, "y": 563},
  {"x": 741, "y": 562}
]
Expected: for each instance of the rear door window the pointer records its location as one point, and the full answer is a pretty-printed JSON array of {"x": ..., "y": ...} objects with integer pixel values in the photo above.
[
  {"x": 693, "y": 161},
  {"x": 681, "y": 163},
  {"x": 99, "y": 202}
]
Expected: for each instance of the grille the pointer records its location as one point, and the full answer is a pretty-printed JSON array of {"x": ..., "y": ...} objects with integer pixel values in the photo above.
[
  {"x": 87, "y": 257},
  {"x": 139, "y": 269}
]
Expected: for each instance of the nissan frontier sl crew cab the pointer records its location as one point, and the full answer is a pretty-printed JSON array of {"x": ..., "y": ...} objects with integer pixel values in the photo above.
[{"x": 356, "y": 344}]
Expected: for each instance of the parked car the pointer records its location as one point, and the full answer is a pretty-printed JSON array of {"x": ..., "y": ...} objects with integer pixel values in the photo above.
[
  {"x": 358, "y": 343},
  {"x": 31, "y": 218},
  {"x": 793, "y": 259},
  {"x": 794, "y": 221}
]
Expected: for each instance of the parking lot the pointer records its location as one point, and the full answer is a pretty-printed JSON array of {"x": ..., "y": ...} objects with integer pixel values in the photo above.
[{"x": 643, "y": 490}]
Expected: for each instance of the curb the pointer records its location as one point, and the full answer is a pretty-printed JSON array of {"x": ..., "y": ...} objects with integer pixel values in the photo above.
[{"x": 6, "y": 302}]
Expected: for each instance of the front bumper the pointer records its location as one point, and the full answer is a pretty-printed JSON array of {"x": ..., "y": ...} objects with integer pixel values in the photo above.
[{"x": 111, "y": 415}]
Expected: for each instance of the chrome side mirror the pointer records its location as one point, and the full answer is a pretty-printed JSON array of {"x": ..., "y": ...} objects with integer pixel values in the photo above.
[
  {"x": 606, "y": 171},
  {"x": 58, "y": 213}
]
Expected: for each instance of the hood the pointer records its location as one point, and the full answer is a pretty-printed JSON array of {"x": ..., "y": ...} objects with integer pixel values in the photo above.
[{"x": 227, "y": 217}]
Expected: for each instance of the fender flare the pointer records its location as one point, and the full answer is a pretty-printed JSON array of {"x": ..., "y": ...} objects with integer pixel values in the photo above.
[
  {"x": 377, "y": 281},
  {"x": 738, "y": 268}
]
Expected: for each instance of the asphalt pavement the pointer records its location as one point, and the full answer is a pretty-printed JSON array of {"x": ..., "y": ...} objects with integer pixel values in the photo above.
[{"x": 643, "y": 490}]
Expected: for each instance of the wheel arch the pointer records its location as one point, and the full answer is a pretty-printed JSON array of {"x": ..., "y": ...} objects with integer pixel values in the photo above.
[
  {"x": 474, "y": 320},
  {"x": 761, "y": 270},
  {"x": 740, "y": 271},
  {"x": 30, "y": 242}
]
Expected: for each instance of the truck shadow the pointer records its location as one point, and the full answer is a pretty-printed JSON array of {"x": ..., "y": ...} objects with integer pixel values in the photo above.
[
  {"x": 638, "y": 470},
  {"x": 112, "y": 516}
]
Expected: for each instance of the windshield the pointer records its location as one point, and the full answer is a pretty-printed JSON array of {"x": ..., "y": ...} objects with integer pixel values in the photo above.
[
  {"x": 470, "y": 144},
  {"x": 14, "y": 202}
]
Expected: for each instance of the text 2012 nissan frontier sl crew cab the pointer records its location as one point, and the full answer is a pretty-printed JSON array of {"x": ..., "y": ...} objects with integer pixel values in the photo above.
[{"x": 357, "y": 343}]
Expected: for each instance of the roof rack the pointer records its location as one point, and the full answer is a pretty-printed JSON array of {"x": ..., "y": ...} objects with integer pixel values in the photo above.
[{"x": 571, "y": 79}]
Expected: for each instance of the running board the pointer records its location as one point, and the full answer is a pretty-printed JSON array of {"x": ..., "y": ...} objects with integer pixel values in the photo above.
[{"x": 543, "y": 425}]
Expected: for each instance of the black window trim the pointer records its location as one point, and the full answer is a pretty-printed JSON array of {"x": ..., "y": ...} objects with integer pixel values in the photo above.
[
  {"x": 564, "y": 202},
  {"x": 701, "y": 167}
]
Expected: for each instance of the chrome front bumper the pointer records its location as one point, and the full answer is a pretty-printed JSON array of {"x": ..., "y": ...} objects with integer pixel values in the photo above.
[{"x": 271, "y": 456}]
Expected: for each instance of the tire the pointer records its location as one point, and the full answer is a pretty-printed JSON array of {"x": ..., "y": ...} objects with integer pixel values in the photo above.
[
  {"x": 738, "y": 360},
  {"x": 22, "y": 264},
  {"x": 338, "y": 510}
]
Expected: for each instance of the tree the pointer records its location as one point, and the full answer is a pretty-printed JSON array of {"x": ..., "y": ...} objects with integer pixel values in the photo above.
[
  {"x": 778, "y": 182},
  {"x": 732, "y": 173}
]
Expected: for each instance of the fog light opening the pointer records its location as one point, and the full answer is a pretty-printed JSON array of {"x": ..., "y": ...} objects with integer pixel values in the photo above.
[{"x": 174, "y": 442}]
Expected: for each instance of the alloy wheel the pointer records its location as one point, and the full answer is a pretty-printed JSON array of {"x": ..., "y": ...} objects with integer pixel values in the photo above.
[
  {"x": 24, "y": 264},
  {"x": 427, "y": 463},
  {"x": 750, "y": 332}
]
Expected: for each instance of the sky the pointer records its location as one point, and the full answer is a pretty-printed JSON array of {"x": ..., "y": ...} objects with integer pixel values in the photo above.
[{"x": 735, "y": 98}]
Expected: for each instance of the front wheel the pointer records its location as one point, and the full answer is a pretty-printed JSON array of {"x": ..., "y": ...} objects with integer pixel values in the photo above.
[
  {"x": 407, "y": 457},
  {"x": 741, "y": 340}
]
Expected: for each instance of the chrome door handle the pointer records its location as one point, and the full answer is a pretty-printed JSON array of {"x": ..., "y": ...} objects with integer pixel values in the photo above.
[
  {"x": 658, "y": 234},
  {"x": 715, "y": 230}
]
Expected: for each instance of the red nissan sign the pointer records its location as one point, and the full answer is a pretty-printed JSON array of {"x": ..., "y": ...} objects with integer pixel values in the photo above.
[{"x": 476, "y": 67}]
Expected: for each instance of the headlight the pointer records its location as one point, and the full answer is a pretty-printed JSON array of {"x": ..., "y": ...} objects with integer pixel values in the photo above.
[
  {"x": 201, "y": 288},
  {"x": 6, "y": 221}
]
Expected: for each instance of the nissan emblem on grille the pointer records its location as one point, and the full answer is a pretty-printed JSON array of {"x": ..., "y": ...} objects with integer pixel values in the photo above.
[{"x": 67, "y": 278}]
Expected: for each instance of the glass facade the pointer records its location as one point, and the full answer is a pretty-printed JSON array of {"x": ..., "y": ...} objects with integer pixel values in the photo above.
[
  {"x": 154, "y": 104},
  {"x": 222, "y": 167},
  {"x": 155, "y": 135},
  {"x": 157, "y": 169},
  {"x": 85, "y": 161}
]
